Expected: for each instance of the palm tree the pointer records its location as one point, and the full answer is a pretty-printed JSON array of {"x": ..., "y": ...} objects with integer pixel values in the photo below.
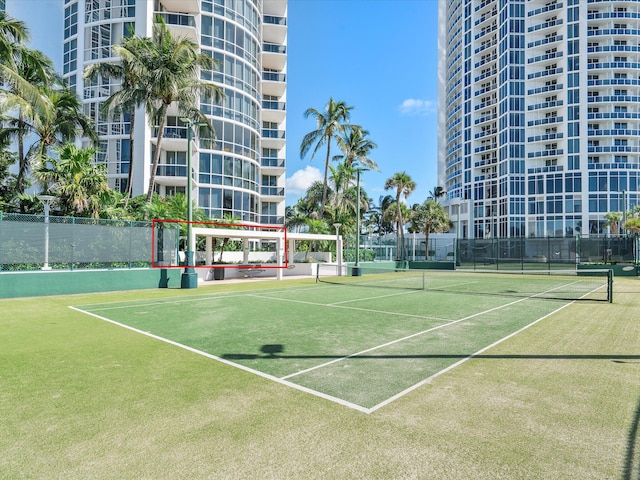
[
  {"x": 376, "y": 218},
  {"x": 78, "y": 184},
  {"x": 55, "y": 120},
  {"x": 8, "y": 183},
  {"x": 60, "y": 123},
  {"x": 13, "y": 36},
  {"x": 313, "y": 197},
  {"x": 38, "y": 71},
  {"x": 134, "y": 90},
  {"x": 633, "y": 225},
  {"x": 343, "y": 197},
  {"x": 613, "y": 221},
  {"x": 172, "y": 67},
  {"x": 12, "y": 32},
  {"x": 437, "y": 192},
  {"x": 296, "y": 216},
  {"x": 430, "y": 217},
  {"x": 329, "y": 123},
  {"x": 356, "y": 147},
  {"x": 404, "y": 186}
]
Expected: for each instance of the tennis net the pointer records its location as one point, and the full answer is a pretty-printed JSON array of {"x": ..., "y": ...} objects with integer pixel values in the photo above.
[{"x": 594, "y": 285}]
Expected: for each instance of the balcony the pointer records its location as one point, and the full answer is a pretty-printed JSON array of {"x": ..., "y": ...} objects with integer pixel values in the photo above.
[
  {"x": 545, "y": 105},
  {"x": 274, "y": 83},
  {"x": 274, "y": 56},
  {"x": 272, "y": 163},
  {"x": 173, "y": 138},
  {"x": 273, "y": 111},
  {"x": 544, "y": 10},
  {"x": 183, "y": 6},
  {"x": 272, "y": 191},
  {"x": 547, "y": 88},
  {"x": 558, "y": 152},
  {"x": 181, "y": 25},
  {"x": 273, "y": 138},
  {"x": 172, "y": 171},
  {"x": 271, "y": 220},
  {"x": 545, "y": 25},
  {"x": 546, "y": 137},
  {"x": 487, "y": 147},
  {"x": 274, "y": 29},
  {"x": 273, "y": 105}
]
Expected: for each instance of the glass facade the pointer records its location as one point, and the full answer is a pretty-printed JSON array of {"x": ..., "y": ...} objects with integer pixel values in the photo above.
[
  {"x": 539, "y": 134},
  {"x": 228, "y": 172}
]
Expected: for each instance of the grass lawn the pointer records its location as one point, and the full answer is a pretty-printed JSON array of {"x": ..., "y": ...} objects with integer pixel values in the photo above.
[{"x": 84, "y": 398}]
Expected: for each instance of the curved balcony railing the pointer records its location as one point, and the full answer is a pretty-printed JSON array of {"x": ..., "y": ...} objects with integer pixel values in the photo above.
[
  {"x": 272, "y": 191},
  {"x": 274, "y": 20},
  {"x": 273, "y": 48},
  {"x": 178, "y": 19},
  {"x": 172, "y": 132},
  {"x": 172, "y": 171},
  {"x": 272, "y": 162}
]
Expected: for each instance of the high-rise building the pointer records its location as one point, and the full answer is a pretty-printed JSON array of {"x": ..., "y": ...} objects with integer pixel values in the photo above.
[
  {"x": 243, "y": 173},
  {"x": 539, "y": 114}
]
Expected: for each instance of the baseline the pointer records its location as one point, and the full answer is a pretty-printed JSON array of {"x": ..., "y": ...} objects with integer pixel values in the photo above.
[
  {"x": 399, "y": 340},
  {"x": 301, "y": 388}
]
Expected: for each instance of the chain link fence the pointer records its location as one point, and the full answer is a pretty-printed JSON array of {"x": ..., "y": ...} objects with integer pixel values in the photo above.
[
  {"x": 36, "y": 242},
  {"x": 501, "y": 253},
  {"x": 29, "y": 242}
]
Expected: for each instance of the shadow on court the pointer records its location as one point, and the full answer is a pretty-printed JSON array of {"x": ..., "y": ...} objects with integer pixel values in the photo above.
[
  {"x": 631, "y": 467},
  {"x": 276, "y": 351}
]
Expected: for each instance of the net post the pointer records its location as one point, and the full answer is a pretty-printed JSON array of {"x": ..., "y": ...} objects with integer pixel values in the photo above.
[{"x": 610, "y": 285}]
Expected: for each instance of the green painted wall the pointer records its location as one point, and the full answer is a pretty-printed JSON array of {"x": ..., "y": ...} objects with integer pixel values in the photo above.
[
  {"x": 36, "y": 284},
  {"x": 619, "y": 270},
  {"x": 423, "y": 265}
]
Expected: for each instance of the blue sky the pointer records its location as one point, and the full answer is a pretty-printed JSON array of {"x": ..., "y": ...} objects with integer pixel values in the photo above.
[{"x": 379, "y": 56}]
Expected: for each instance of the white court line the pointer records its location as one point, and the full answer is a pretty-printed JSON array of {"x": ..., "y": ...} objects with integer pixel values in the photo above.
[
  {"x": 372, "y": 298},
  {"x": 232, "y": 364},
  {"x": 402, "y": 339},
  {"x": 176, "y": 300},
  {"x": 395, "y": 294},
  {"x": 283, "y": 380},
  {"x": 459, "y": 362},
  {"x": 332, "y": 305}
]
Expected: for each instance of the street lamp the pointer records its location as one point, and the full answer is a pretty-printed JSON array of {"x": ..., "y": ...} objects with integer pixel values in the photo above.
[
  {"x": 457, "y": 202},
  {"x": 46, "y": 200},
  {"x": 189, "y": 277},
  {"x": 624, "y": 212},
  {"x": 355, "y": 271},
  {"x": 338, "y": 248}
]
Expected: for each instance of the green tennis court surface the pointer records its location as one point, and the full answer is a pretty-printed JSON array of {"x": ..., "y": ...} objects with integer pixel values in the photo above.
[{"x": 362, "y": 345}]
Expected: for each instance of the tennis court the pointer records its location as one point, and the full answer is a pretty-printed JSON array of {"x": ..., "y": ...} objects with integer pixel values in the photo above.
[{"x": 359, "y": 341}]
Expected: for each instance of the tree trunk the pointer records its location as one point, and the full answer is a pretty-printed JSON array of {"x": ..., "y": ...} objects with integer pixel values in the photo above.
[
  {"x": 156, "y": 157},
  {"x": 22, "y": 162},
  {"x": 326, "y": 178},
  {"x": 130, "y": 177}
]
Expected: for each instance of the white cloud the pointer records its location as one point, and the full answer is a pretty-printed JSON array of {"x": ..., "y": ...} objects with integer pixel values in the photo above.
[
  {"x": 414, "y": 107},
  {"x": 301, "y": 180}
]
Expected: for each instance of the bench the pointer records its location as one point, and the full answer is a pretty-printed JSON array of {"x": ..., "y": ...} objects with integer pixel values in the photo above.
[{"x": 250, "y": 270}]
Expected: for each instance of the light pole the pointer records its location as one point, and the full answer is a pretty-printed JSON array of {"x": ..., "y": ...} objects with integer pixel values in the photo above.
[
  {"x": 338, "y": 248},
  {"x": 624, "y": 212},
  {"x": 457, "y": 202},
  {"x": 355, "y": 271},
  {"x": 46, "y": 200},
  {"x": 189, "y": 277}
]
